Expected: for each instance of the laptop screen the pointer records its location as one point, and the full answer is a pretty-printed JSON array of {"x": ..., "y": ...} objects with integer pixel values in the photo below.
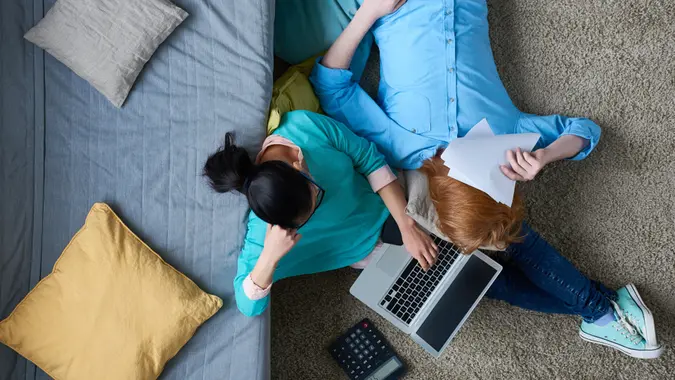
[{"x": 451, "y": 308}]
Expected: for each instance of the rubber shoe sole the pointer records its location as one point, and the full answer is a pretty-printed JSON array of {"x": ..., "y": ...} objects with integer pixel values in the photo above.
[
  {"x": 651, "y": 353},
  {"x": 650, "y": 328}
]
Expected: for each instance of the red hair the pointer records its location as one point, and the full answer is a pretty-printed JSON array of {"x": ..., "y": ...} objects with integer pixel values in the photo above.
[{"x": 468, "y": 216}]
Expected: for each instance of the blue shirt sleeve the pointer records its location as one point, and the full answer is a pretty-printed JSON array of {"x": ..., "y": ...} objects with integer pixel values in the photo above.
[
  {"x": 247, "y": 259},
  {"x": 554, "y": 126},
  {"x": 343, "y": 99}
]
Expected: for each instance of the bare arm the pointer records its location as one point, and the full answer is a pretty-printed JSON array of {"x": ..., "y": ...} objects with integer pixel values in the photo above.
[
  {"x": 278, "y": 242},
  {"x": 340, "y": 54},
  {"x": 263, "y": 272},
  {"x": 417, "y": 242},
  {"x": 564, "y": 147},
  {"x": 524, "y": 166}
]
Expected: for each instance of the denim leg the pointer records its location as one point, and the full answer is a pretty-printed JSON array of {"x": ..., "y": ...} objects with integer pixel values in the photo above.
[
  {"x": 514, "y": 288},
  {"x": 546, "y": 268}
]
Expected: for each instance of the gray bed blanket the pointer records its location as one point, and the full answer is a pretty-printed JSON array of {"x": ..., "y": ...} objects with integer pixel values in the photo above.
[{"x": 63, "y": 146}]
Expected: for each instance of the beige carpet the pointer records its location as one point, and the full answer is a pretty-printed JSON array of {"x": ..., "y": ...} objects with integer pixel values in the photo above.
[{"x": 613, "y": 214}]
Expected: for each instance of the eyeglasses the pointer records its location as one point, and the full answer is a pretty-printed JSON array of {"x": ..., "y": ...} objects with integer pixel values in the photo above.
[{"x": 320, "y": 192}]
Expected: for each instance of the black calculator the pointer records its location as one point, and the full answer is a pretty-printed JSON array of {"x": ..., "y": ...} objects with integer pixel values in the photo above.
[{"x": 364, "y": 354}]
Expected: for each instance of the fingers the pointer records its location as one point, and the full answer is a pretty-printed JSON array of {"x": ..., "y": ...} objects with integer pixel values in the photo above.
[
  {"x": 423, "y": 262},
  {"x": 530, "y": 159},
  {"x": 399, "y": 4},
  {"x": 510, "y": 173},
  {"x": 429, "y": 258},
  {"x": 521, "y": 160},
  {"x": 536, "y": 164},
  {"x": 427, "y": 255},
  {"x": 515, "y": 166},
  {"x": 286, "y": 233},
  {"x": 429, "y": 249},
  {"x": 432, "y": 249},
  {"x": 293, "y": 234}
]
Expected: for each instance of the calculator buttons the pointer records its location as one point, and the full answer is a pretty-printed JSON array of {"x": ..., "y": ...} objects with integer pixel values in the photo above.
[{"x": 360, "y": 351}]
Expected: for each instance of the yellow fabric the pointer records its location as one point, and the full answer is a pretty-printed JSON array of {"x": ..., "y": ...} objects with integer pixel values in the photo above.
[
  {"x": 291, "y": 92},
  {"x": 110, "y": 309}
]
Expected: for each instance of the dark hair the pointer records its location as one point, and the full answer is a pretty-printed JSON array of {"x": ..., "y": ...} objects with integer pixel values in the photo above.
[{"x": 276, "y": 192}]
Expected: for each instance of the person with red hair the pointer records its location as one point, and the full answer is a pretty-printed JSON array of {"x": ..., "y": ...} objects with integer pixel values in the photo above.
[{"x": 437, "y": 80}]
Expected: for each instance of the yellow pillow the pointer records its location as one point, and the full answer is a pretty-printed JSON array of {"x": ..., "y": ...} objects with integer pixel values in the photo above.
[
  {"x": 110, "y": 309},
  {"x": 291, "y": 92}
]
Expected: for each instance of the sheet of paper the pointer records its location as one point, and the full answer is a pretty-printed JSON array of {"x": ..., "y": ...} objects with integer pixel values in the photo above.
[
  {"x": 475, "y": 160},
  {"x": 482, "y": 129}
]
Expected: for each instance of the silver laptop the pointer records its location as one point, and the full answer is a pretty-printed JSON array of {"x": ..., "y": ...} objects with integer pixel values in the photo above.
[{"x": 430, "y": 306}]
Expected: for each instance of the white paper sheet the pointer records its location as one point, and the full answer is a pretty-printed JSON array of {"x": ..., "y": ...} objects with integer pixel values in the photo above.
[
  {"x": 480, "y": 130},
  {"x": 475, "y": 160}
]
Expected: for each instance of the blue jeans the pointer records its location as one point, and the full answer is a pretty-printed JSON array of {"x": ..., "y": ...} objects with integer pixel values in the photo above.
[{"x": 537, "y": 277}]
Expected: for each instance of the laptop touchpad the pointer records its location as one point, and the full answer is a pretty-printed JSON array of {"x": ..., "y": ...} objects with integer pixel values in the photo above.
[{"x": 392, "y": 260}]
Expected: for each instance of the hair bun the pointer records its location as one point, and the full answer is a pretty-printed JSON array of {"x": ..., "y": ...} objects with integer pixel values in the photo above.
[{"x": 229, "y": 168}]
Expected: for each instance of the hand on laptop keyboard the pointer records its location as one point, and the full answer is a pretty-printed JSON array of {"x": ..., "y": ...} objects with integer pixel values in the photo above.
[{"x": 419, "y": 244}]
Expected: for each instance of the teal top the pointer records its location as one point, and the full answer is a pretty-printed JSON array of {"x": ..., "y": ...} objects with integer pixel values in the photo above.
[{"x": 346, "y": 226}]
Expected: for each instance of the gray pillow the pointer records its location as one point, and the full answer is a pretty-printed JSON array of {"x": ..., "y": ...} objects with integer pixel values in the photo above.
[{"x": 106, "y": 42}]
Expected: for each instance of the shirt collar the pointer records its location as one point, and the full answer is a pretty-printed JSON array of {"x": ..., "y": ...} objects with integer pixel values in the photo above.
[{"x": 278, "y": 140}]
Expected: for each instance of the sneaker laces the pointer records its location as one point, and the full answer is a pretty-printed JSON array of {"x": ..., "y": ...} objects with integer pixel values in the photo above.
[
  {"x": 624, "y": 326},
  {"x": 634, "y": 322}
]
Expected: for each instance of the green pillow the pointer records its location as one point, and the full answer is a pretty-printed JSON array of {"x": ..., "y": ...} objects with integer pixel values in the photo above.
[{"x": 305, "y": 28}]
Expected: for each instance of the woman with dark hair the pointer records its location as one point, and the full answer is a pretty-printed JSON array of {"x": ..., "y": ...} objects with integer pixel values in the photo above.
[{"x": 314, "y": 179}]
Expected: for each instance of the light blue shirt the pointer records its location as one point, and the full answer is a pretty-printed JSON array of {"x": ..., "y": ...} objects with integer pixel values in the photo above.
[{"x": 437, "y": 80}]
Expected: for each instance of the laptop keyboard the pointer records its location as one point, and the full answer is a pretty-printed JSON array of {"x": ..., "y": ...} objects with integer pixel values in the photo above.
[{"x": 414, "y": 286}]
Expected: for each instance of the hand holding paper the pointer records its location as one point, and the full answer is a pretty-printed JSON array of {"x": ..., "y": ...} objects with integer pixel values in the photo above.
[
  {"x": 475, "y": 159},
  {"x": 524, "y": 166}
]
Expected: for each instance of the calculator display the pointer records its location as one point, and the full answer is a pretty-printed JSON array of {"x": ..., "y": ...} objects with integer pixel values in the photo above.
[{"x": 385, "y": 370}]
